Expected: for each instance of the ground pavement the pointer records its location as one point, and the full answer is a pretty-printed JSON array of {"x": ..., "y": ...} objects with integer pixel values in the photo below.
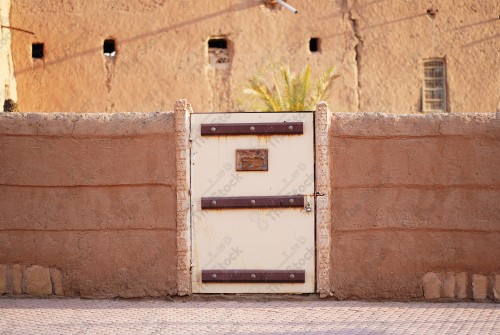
[{"x": 78, "y": 316}]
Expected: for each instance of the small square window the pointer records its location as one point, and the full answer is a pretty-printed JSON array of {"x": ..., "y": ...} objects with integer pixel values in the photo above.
[
  {"x": 108, "y": 48},
  {"x": 314, "y": 44},
  {"x": 37, "y": 50},
  {"x": 434, "y": 86}
]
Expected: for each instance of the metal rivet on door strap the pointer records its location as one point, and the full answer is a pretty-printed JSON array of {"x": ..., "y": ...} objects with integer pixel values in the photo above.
[
  {"x": 252, "y": 202},
  {"x": 253, "y": 276},
  {"x": 252, "y": 128},
  {"x": 214, "y": 202},
  {"x": 213, "y": 129},
  {"x": 290, "y": 127}
]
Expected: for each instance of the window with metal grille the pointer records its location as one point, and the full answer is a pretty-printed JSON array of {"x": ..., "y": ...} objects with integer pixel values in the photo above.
[{"x": 434, "y": 87}]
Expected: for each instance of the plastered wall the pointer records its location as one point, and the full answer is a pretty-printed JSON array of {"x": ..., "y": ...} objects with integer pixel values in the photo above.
[
  {"x": 162, "y": 53},
  {"x": 88, "y": 202},
  {"x": 93, "y": 196},
  {"x": 413, "y": 195},
  {"x": 7, "y": 80}
]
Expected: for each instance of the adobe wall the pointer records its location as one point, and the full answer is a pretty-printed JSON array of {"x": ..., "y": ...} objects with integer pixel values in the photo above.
[
  {"x": 89, "y": 205},
  {"x": 162, "y": 53},
  {"x": 415, "y": 206},
  {"x": 7, "y": 80},
  {"x": 91, "y": 197}
]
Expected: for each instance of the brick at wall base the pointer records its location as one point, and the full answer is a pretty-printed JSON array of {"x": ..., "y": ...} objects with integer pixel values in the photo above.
[
  {"x": 496, "y": 288},
  {"x": 432, "y": 286},
  {"x": 38, "y": 280},
  {"x": 480, "y": 287},
  {"x": 17, "y": 279},
  {"x": 462, "y": 283},
  {"x": 449, "y": 284},
  {"x": 57, "y": 281},
  {"x": 3, "y": 279}
]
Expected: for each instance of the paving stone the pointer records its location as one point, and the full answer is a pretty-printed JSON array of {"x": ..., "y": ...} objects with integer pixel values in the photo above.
[{"x": 187, "y": 316}]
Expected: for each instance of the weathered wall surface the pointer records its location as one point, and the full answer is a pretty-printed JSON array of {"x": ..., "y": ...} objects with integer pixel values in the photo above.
[
  {"x": 88, "y": 205},
  {"x": 414, "y": 195},
  {"x": 377, "y": 46},
  {"x": 394, "y": 37},
  {"x": 7, "y": 79},
  {"x": 92, "y": 196}
]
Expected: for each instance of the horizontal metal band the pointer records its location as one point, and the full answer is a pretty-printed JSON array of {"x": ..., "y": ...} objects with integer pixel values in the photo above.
[
  {"x": 253, "y": 276},
  {"x": 252, "y": 202},
  {"x": 273, "y": 128}
]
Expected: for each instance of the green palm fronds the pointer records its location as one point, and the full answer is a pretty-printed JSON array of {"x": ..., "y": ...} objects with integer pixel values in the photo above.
[{"x": 295, "y": 93}]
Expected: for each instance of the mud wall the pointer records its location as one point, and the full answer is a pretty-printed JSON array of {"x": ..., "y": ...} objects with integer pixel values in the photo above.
[
  {"x": 162, "y": 53},
  {"x": 7, "y": 79},
  {"x": 88, "y": 205},
  {"x": 91, "y": 195},
  {"x": 415, "y": 205}
]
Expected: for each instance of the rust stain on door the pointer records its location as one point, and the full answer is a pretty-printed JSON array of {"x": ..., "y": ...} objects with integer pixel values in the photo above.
[{"x": 252, "y": 160}]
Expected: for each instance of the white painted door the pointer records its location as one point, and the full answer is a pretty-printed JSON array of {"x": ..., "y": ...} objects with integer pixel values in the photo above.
[{"x": 244, "y": 241}]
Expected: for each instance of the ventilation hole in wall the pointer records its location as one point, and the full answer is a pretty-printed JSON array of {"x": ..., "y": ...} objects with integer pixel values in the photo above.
[
  {"x": 217, "y": 43},
  {"x": 314, "y": 44},
  {"x": 218, "y": 52},
  {"x": 37, "y": 50},
  {"x": 108, "y": 48}
]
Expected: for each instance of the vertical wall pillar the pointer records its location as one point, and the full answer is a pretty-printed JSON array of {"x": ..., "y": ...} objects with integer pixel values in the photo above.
[
  {"x": 323, "y": 200},
  {"x": 7, "y": 79},
  {"x": 182, "y": 112}
]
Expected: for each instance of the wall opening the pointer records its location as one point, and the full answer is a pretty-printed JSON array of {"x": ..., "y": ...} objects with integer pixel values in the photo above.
[
  {"x": 218, "y": 52},
  {"x": 434, "y": 86},
  {"x": 109, "y": 48},
  {"x": 217, "y": 43},
  {"x": 314, "y": 44},
  {"x": 37, "y": 50}
]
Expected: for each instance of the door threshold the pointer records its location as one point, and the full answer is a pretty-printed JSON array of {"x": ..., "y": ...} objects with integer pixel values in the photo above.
[{"x": 260, "y": 297}]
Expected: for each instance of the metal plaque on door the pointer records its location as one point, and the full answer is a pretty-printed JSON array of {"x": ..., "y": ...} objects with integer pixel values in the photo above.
[{"x": 252, "y": 186}]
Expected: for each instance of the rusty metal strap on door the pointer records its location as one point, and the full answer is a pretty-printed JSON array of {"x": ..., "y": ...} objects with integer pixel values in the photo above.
[
  {"x": 273, "y": 128},
  {"x": 252, "y": 202},
  {"x": 253, "y": 276}
]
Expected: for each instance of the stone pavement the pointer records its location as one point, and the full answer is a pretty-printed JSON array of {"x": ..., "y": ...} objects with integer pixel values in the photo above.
[{"x": 77, "y": 316}]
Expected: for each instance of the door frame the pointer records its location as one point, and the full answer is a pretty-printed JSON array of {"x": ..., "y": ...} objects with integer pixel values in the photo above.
[{"x": 322, "y": 187}]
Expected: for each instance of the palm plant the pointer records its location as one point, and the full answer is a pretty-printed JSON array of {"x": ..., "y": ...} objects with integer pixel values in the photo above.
[{"x": 294, "y": 93}]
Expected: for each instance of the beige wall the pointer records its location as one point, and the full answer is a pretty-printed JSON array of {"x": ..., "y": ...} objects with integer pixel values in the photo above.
[
  {"x": 377, "y": 46},
  {"x": 91, "y": 195},
  {"x": 412, "y": 195}
]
